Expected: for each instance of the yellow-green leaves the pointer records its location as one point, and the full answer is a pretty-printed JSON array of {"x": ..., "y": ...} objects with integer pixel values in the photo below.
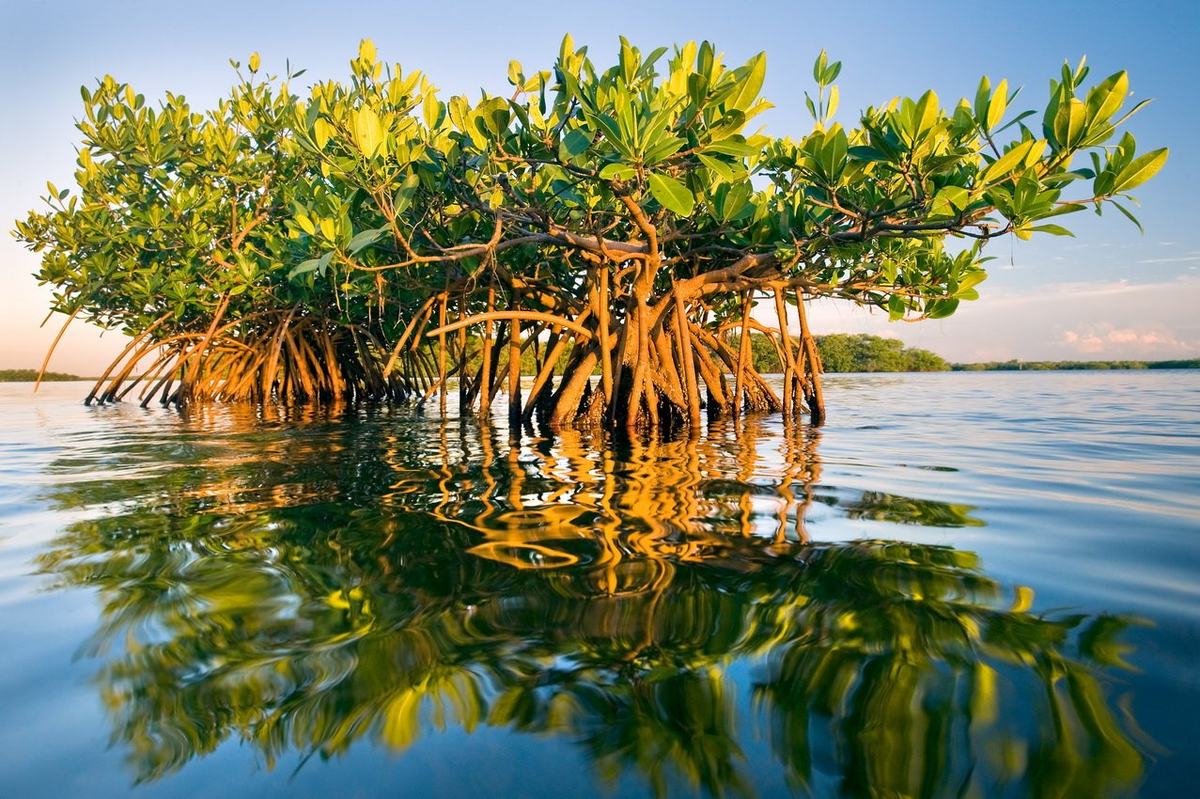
[
  {"x": 1070, "y": 123},
  {"x": 750, "y": 81},
  {"x": 990, "y": 106},
  {"x": 254, "y": 62},
  {"x": 1122, "y": 171},
  {"x": 1020, "y": 156},
  {"x": 366, "y": 51},
  {"x": 998, "y": 105},
  {"x": 926, "y": 112},
  {"x": 721, "y": 169},
  {"x": 671, "y": 194},
  {"x": 1106, "y": 98},
  {"x": 824, "y": 74},
  {"x": 1140, "y": 170},
  {"x": 431, "y": 109},
  {"x": 831, "y": 105},
  {"x": 368, "y": 131}
]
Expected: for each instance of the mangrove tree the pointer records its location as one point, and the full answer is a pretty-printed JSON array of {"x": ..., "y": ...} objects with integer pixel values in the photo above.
[{"x": 372, "y": 239}]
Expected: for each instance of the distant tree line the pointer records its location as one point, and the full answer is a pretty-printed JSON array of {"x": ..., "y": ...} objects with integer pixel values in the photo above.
[
  {"x": 30, "y": 375},
  {"x": 844, "y": 352},
  {"x": 1038, "y": 366}
]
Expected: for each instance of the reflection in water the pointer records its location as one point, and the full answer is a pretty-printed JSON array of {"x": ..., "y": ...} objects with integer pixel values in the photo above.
[{"x": 302, "y": 584}]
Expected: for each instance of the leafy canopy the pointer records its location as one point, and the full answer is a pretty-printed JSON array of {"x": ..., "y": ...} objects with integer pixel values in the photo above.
[{"x": 360, "y": 198}]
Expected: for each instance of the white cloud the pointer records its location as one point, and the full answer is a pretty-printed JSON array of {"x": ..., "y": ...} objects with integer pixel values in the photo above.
[
  {"x": 1126, "y": 341},
  {"x": 1102, "y": 320},
  {"x": 1180, "y": 259}
]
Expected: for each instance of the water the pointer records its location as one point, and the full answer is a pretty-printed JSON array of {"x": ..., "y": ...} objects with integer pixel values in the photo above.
[{"x": 965, "y": 584}]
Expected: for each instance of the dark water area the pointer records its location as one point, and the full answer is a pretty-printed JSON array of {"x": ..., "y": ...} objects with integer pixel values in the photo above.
[{"x": 963, "y": 585}]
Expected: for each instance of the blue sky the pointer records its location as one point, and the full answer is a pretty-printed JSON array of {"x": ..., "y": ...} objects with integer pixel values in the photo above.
[{"x": 1108, "y": 293}]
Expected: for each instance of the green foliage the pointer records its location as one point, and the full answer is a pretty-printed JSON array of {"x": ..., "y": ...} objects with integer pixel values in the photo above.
[
  {"x": 1194, "y": 363},
  {"x": 1037, "y": 366},
  {"x": 31, "y": 375},
  {"x": 844, "y": 352},
  {"x": 349, "y": 205}
]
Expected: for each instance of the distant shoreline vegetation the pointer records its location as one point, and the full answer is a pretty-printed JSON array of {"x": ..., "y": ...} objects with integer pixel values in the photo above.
[
  {"x": 31, "y": 375},
  {"x": 844, "y": 352},
  {"x": 1044, "y": 366}
]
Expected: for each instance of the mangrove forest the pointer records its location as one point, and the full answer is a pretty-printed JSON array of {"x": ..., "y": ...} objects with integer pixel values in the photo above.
[{"x": 372, "y": 239}]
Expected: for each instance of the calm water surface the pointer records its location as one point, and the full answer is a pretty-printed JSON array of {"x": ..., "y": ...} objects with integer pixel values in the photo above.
[{"x": 964, "y": 585}]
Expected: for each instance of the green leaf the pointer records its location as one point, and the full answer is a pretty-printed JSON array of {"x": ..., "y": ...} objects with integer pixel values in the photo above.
[
  {"x": 613, "y": 134},
  {"x": 431, "y": 109},
  {"x": 664, "y": 149},
  {"x": 958, "y": 197},
  {"x": 574, "y": 143},
  {"x": 833, "y": 152},
  {"x": 1106, "y": 98},
  {"x": 704, "y": 61},
  {"x": 734, "y": 200},
  {"x": 255, "y": 61},
  {"x": 404, "y": 195},
  {"x": 1142, "y": 169},
  {"x": 1129, "y": 216},
  {"x": 304, "y": 268},
  {"x": 972, "y": 279},
  {"x": 866, "y": 153},
  {"x": 897, "y": 306},
  {"x": 1014, "y": 158},
  {"x": 617, "y": 171},
  {"x": 999, "y": 104},
  {"x": 750, "y": 85},
  {"x": 733, "y": 147},
  {"x": 940, "y": 309},
  {"x": 364, "y": 240},
  {"x": 1053, "y": 230},
  {"x": 323, "y": 263},
  {"x": 671, "y": 194},
  {"x": 722, "y": 169},
  {"x": 983, "y": 99},
  {"x": 819, "y": 66},
  {"x": 926, "y": 113},
  {"x": 1069, "y": 123},
  {"x": 368, "y": 131}
]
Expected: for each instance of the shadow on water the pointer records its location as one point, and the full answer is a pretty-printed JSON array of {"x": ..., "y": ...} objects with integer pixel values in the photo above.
[{"x": 301, "y": 584}]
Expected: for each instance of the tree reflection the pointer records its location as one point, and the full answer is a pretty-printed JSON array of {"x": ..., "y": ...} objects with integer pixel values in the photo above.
[{"x": 305, "y": 587}]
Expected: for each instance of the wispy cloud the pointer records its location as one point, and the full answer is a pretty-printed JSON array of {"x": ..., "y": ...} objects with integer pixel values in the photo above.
[
  {"x": 1176, "y": 260},
  {"x": 1113, "y": 319},
  {"x": 1096, "y": 339}
]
